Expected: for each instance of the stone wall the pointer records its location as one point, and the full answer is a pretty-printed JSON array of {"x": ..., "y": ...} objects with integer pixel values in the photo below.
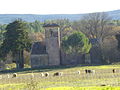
[
  {"x": 95, "y": 55},
  {"x": 2, "y": 65},
  {"x": 53, "y": 51},
  {"x": 52, "y": 39},
  {"x": 39, "y": 60},
  {"x": 72, "y": 59}
]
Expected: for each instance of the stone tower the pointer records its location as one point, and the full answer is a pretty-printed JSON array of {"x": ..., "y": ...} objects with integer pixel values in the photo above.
[{"x": 52, "y": 40}]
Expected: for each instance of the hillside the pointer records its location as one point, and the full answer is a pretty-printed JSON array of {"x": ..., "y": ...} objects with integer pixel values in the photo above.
[
  {"x": 7, "y": 18},
  {"x": 115, "y": 14}
]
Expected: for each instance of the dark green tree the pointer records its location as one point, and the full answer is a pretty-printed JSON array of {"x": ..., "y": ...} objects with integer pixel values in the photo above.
[
  {"x": 118, "y": 39},
  {"x": 35, "y": 26},
  {"x": 16, "y": 41},
  {"x": 77, "y": 42},
  {"x": 2, "y": 31}
]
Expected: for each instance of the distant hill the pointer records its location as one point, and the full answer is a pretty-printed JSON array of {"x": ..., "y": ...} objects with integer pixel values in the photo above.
[
  {"x": 115, "y": 14},
  {"x": 7, "y": 18}
]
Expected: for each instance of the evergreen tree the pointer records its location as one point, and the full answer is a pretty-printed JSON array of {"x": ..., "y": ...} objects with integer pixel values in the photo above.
[
  {"x": 16, "y": 41},
  {"x": 2, "y": 31},
  {"x": 118, "y": 39},
  {"x": 77, "y": 42},
  {"x": 35, "y": 26}
]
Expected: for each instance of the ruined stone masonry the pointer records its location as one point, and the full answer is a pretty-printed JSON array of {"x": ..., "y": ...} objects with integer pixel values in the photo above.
[{"x": 50, "y": 53}]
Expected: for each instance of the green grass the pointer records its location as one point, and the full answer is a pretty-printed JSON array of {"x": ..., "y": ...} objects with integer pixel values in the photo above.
[
  {"x": 54, "y": 68},
  {"x": 84, "y": 88},
  {"x": 69, "y": 81}
]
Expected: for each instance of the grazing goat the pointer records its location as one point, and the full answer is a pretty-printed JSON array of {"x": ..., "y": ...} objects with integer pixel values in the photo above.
[
  {"x": 114, "y": 71},
  {"x": 42, "y": 74},
  {"x": 0, "y": 76},
  {"x": 46, "y": 74},
  {"x": 8, "y": 76},
  {"x": 58, "y": 74},
  {"x": 78, "y": 72},
  {"x": 89, "y": 71},
  {"x": 86, "y": 71},
  {"x": 14, "y": 75},
  {"x": 32, "y": 75}
]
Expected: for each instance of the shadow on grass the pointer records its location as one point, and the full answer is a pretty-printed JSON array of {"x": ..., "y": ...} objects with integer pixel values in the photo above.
[{"x": 44, "y": 69}]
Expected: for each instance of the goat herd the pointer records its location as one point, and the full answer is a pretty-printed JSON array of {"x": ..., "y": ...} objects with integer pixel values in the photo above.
[{"x": 46, "y": 74}]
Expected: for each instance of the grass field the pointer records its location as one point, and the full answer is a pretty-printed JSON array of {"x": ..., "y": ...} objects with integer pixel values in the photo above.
[{"x": 31, "y": 79}]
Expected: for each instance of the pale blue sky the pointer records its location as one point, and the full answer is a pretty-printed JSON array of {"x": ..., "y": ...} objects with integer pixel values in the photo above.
[{"x": 57, "y": 6}]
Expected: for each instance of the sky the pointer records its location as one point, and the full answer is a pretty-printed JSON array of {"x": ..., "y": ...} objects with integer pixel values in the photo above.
[{"x": 57, "y": 6}]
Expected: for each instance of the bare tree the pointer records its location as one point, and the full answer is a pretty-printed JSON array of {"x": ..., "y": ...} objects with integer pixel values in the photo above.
[{"x": 96, "y": 25}]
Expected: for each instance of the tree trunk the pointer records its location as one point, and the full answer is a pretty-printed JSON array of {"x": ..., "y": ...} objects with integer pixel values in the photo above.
[
  {"x": 20, "y": 60},
  {"x": 17, "y": 59}
]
